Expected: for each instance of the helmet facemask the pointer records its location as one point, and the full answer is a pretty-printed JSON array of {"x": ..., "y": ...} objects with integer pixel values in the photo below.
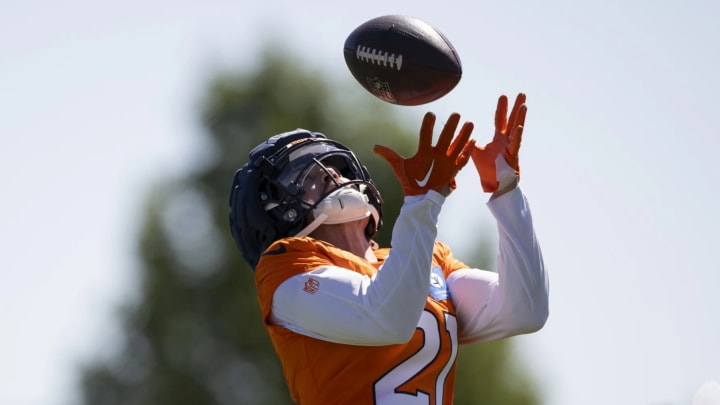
[{"x": 286, "y": 198}]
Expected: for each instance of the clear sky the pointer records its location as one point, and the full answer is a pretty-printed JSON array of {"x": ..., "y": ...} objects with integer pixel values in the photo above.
[{"x": 619, "y": 160}]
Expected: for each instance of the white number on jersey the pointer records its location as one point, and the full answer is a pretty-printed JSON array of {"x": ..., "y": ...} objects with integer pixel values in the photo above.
[{"x": 385, "y": 393}]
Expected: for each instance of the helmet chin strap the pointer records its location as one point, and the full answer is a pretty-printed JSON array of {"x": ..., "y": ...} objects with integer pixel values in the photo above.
[
  {"x": 312, "y": 225},
  {"x": 345, "y": 204}
]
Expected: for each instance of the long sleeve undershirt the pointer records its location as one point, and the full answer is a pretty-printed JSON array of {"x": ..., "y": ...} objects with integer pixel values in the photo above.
[{"x": 385, "y": 309}]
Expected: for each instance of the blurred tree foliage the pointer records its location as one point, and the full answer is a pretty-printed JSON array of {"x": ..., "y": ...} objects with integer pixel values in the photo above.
[{"x": 194, "y": 334}]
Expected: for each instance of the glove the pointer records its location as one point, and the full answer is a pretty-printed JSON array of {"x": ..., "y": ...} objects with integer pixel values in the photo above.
[
  {"x": 432, "y": 167},
  {"x": 505, "y": 143}
]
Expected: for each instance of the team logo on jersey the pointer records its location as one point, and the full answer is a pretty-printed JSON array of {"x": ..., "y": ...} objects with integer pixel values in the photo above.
[
  {"x": 438, "y": 286},
  {"x": 311, "y": 286}
]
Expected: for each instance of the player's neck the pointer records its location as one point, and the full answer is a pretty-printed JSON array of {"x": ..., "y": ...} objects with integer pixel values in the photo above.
[{"x": 349, "y": 237}]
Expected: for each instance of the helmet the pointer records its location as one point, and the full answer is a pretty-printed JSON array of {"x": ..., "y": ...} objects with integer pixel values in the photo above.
[{"x": 266, "y": 199}]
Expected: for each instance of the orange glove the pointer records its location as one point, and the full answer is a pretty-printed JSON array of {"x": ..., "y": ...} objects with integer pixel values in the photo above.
[
  {"x": 432, "y": 167},
  {"x": 508, "y": 134}
]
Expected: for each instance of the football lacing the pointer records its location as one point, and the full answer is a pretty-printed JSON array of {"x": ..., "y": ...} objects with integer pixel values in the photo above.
[{"x": 379, "y": 57}]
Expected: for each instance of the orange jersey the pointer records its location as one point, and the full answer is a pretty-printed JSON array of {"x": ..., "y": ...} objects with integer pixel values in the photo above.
[{"x": 319, "y": 372}]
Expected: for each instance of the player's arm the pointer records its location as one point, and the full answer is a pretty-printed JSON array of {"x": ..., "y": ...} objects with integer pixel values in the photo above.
[
  {"x": 384, "y": 309},
  {"x": 352, "y": 308},
  {"x": 515, "y": 300}
]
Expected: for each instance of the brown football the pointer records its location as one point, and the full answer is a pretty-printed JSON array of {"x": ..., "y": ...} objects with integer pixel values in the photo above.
[{"x": 402, "y": 60}]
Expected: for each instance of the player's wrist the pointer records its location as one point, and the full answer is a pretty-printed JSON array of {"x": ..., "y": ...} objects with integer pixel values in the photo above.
[
  {"x": 506, "y": 188},
  {"x": 507, "y": 177}
]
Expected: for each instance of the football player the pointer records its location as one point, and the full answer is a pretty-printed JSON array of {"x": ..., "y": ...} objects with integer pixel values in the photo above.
[{"x": 353, "y": 323}]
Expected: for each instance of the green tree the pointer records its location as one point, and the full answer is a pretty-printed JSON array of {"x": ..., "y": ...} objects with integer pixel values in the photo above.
[{"x": 194, "y": 334}]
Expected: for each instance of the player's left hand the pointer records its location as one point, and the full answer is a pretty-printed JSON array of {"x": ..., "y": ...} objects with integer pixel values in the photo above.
[
  {"x": 505, "y": 145},
  {"x": 432, "y": 167}
]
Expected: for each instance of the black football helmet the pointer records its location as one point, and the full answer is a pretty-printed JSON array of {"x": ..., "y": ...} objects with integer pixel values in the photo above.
[{"x": 266, "y": 199}]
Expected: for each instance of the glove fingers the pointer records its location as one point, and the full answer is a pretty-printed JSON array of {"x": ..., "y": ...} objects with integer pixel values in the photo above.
[
  {"x": 522, "y": 112},
  {"x": 448, "y": 132},
  {"x": 511, "y": 152},
  {"x": 459, "y": 144},
  {"x": 426, "y": 133},
  {"x": 519, "y": 122},
  {"x": 501, "y": 114},
  {"x": 515, "y": 140},
  {"x": 465, "y": 154},
  {"x": 389, "y": 155},
  {"x": 515, "y": 118}
]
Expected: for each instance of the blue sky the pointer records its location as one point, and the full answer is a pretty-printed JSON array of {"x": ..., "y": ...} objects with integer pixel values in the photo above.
[{"x": 619, "y": 164}]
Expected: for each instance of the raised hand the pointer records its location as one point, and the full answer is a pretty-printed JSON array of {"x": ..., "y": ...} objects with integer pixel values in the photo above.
[
  {"x": 432, "y": 167},
  {"x": 506, "y": 142}
]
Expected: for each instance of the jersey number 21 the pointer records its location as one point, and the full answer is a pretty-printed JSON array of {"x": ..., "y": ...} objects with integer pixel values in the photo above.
[{"x": 385, "y": 387}]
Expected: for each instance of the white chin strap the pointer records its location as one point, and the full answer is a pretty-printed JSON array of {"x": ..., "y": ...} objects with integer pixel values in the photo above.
[{"x": 343, "y": 205}]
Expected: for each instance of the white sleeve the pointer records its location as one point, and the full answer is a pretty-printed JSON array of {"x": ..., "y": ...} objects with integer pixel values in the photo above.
[
  {"x": 514, "y": 300},
  {"x": 351, "y": 308}
]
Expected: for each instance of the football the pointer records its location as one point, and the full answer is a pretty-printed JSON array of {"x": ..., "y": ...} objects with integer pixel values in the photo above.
[{"x": 402, "y": 60}]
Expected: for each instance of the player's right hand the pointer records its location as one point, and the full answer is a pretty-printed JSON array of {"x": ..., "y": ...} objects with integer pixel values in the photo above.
[{"x": 432, "y": 167}]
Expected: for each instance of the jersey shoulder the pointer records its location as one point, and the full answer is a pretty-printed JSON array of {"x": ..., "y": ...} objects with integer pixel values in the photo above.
[
  {"x": 286, "y": 258},
  {"x": 291, "y": 256},
  {"x": 296, "y": 253},
  {"x": 444, "y": 258}
]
